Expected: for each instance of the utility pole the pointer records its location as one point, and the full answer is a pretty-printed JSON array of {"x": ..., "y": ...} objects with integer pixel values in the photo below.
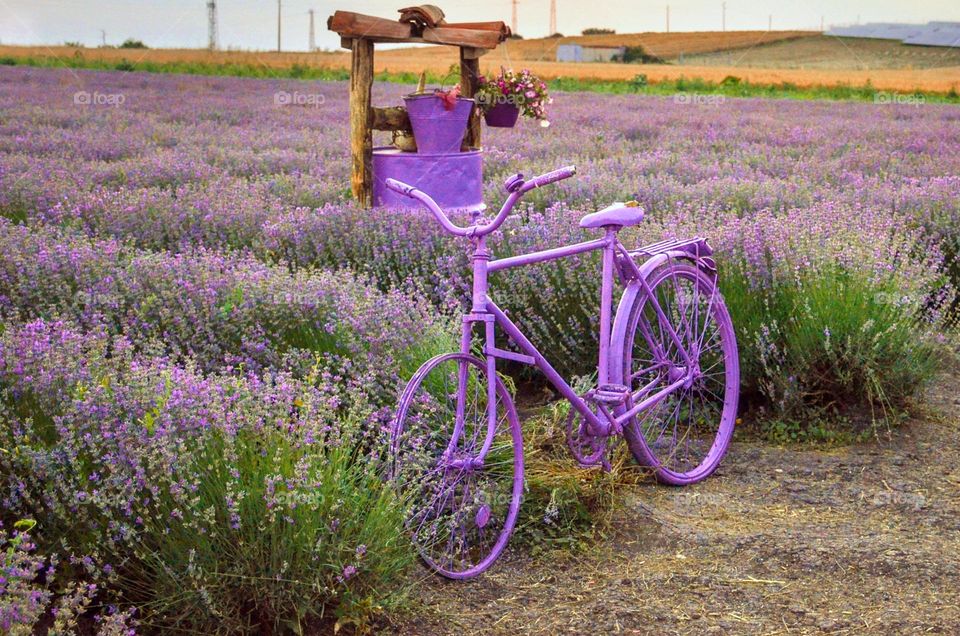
[
  {"x": 553, "y": 17},
  {"x": 278, "y": 25},
  {"x": 723, "y": 20},
  {"x": 513, "y": 24},
  {"x": 770, "y": 22},
  {"x": 668, "y": 18},
  {"x": 313, "y": 38},
  {"x": 103, "y": 37},
  {"x": 212, "y": 31}
]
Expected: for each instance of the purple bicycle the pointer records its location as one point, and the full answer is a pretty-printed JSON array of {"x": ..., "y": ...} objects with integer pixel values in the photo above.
[{"x": 667, "y": 381}]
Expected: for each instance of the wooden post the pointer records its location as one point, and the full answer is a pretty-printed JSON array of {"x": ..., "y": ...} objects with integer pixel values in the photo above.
[
  {"x": 469, "y": 81},
  {"x": 361, "y": 134}
]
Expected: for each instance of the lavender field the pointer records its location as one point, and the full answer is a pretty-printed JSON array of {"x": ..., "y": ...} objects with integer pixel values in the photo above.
[{"x": 203, "y": 336}]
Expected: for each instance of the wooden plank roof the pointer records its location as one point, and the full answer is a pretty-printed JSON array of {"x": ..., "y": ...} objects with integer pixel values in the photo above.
[{"x": 414, "y": 26}]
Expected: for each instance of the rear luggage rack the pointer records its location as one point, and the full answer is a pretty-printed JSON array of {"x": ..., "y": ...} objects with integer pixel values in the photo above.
[{"x": 696, "y": 247}]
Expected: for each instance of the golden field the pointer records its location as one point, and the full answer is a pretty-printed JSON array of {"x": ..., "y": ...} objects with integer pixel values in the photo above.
[{"x": 801, "y": 58}]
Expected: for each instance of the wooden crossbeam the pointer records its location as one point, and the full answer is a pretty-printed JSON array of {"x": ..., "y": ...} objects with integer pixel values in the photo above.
[
  {"x": 356, "y": 25},
  {"x": 481, "y": 26},
  {"x": 477, "y": 38},
  {"x": 393, "y": 118},
  {"x": 480, "y": 35}
]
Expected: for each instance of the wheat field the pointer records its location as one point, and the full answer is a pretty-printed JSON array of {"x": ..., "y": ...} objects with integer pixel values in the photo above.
[{"x": 698, "y": 54}]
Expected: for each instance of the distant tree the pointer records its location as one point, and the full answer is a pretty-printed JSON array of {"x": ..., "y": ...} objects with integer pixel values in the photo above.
[
  {"x": 637, "y": 54},
  {"x": 597, "y": 31},
  {"x": 130, "y": 43},
  {"x": 515, "y": 36},
  {"x": 555, "y": 35},
  {"x": 74, "y": 45}
]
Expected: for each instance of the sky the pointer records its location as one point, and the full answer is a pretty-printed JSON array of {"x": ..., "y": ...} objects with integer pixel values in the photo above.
[{"x": 252, "y": 24}]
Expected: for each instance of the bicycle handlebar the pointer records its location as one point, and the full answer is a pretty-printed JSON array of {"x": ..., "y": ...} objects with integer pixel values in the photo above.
[
  {"x": 427, "y": 201},
  {"x": 548, "y": 178},
  {"x": 515, "y": 185},
  {"x": 399, "y": 187}
]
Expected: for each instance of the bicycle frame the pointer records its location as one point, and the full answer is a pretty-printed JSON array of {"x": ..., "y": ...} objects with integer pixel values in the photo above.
[
  {"x": 453, "y": 452},
  {"x": 485, "y": 310}
]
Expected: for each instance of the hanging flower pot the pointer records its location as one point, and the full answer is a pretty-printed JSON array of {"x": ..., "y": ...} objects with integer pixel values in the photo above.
[
  {"x": 439, "y": 121},
  {"x": 502, "y": 116},
  {"x": 506, "y": 96}
]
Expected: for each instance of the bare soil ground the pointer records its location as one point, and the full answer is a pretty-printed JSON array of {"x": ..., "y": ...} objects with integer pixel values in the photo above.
[{"x": 863, "y": 539}]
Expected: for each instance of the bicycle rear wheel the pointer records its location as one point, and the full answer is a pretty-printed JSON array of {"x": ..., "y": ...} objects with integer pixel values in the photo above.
[
  {"x": 457, "y": 461},
  {"x": 684, "y": 436}
]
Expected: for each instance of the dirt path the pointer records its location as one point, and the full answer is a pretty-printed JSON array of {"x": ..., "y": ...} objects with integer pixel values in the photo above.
[{"x": 864, "y": 539}]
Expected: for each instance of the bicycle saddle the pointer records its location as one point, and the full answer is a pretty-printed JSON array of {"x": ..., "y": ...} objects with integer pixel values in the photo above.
[{"x": 616, "y": 214}]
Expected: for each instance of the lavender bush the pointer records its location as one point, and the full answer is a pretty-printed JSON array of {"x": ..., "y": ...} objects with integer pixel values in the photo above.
[
  {"x": 221, "y": 311},
  {"x": 215, "y": 503},
  {"x": 244, "y": 173},
  {"x": 201, "y": 332},
  {"x": 34, "y": 598}
]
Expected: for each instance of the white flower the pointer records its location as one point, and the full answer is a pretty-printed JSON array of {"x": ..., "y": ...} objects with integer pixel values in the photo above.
[{"x": 544, "y": 123}]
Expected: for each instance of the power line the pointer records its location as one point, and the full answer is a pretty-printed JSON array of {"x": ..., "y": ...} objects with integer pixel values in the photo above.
[
  {"x": 553, "y": 17},
  {"x": 212, "y": 30},
  {"x": 313, "y": 38},
  {"x": 513, "y": 25},
  {"x": 278, "y": 25}
]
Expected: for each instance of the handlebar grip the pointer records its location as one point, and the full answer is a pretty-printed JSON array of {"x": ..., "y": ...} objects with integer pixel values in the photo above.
[
  {"x": 400, "y": 187},
  {"x": 550, "y": 177}
]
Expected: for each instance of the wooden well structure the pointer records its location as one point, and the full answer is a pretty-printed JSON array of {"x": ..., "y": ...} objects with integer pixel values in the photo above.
[{"x": 422, "y": 24}]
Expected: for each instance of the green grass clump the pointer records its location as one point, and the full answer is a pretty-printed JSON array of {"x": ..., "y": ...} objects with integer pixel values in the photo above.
[
  {"x": 829, "y": 348},
  {"x": 730, "y": 86},
  {"x": 211, "y": 503}
]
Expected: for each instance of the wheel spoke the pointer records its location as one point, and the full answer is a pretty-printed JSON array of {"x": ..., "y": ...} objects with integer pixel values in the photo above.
[
  {"x": 677, "y": 435},
  {"x": 459, "y": 499}
]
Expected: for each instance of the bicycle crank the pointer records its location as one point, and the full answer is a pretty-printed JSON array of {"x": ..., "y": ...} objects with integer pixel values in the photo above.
[{"x": 587, "y": 447}]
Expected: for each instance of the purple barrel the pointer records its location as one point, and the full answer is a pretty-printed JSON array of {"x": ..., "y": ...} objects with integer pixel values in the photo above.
[
  {"x": 436, "y": 129},
  {"x": 454, "y": 180}
]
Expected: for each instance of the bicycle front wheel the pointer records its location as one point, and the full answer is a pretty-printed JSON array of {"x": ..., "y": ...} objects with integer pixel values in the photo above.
[
  {"x": 683, "y": 436},
  {"x": 457, "y": 462}
]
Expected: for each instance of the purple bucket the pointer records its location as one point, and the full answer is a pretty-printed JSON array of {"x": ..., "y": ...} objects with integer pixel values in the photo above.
[
  {"x": 502, "y": 116},
  {"x": 436, "y": 129}
]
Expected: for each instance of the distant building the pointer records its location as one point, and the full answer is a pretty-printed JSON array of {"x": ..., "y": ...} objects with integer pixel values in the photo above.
[
  {"x": 580, "y": 53},
  {"x": 877, "y": 31},
  {"x": 937, "y": 34},
  {"x": 930, "y": 34}
]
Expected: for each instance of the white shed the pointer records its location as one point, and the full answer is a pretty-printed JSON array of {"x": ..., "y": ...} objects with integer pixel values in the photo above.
[{"x": 580, "y": 53}]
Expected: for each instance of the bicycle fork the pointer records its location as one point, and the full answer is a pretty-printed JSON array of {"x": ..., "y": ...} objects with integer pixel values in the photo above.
[{"x": 479, "y": 313}]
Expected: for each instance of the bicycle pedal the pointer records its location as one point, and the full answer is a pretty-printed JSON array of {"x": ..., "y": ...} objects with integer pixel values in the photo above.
[{"x": 611, "y": 394}]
